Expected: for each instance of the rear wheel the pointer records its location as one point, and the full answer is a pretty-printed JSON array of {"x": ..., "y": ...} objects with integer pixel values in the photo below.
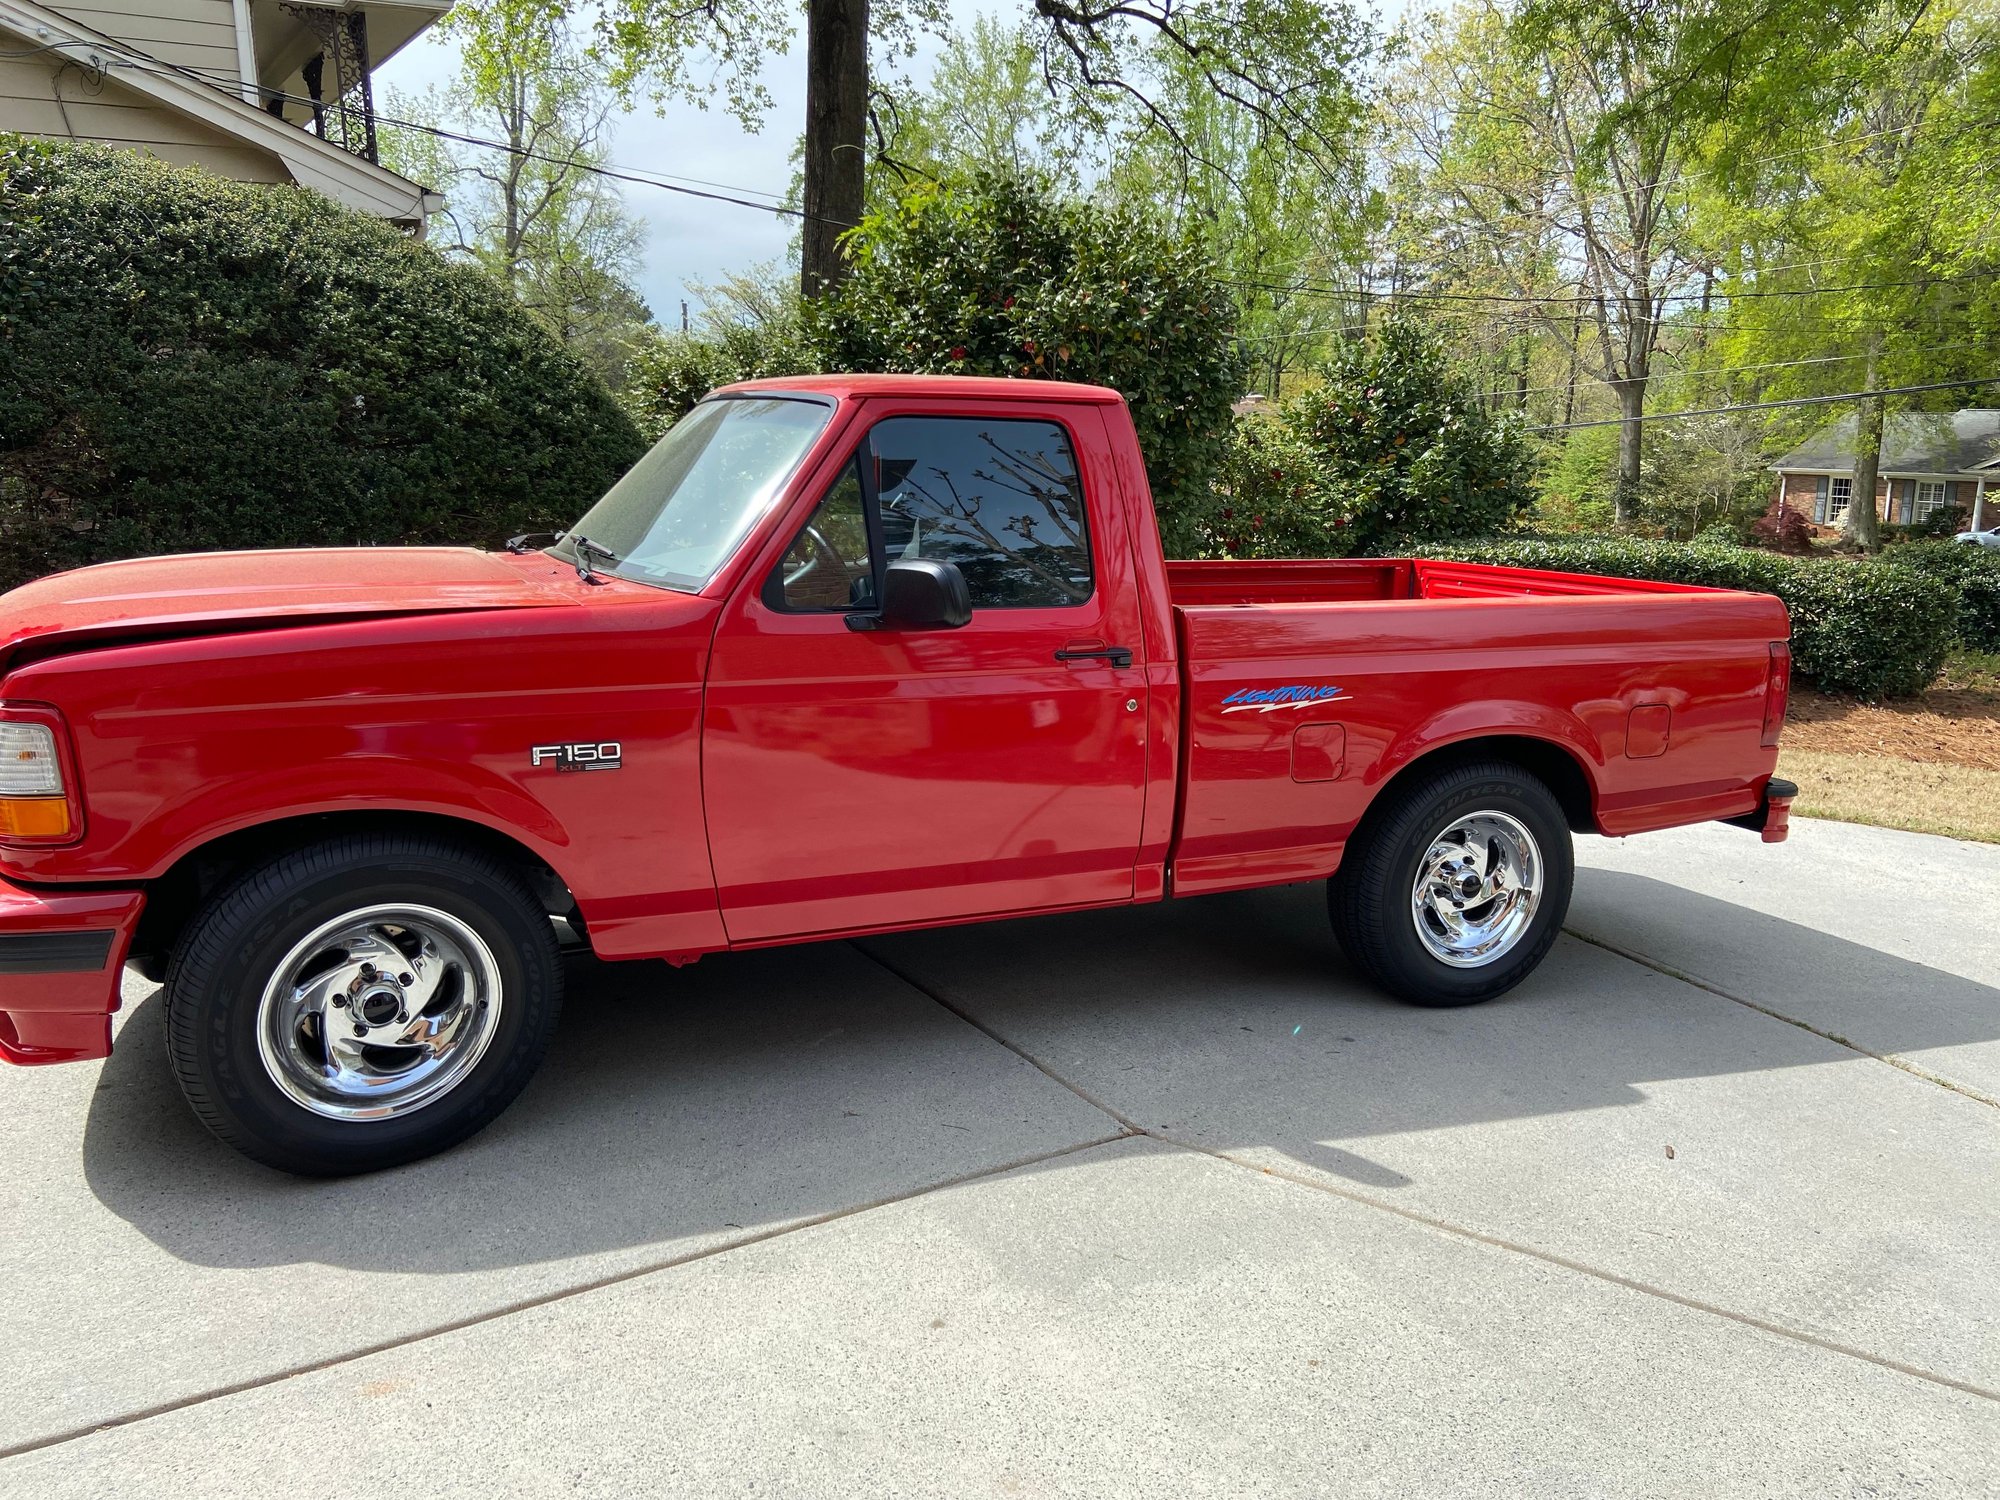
[
  {"x": 362, "y": 1002},
  {"x": 1456, "y": 889}
]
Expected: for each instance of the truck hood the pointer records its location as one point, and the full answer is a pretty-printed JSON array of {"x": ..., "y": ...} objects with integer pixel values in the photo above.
[{"x": 157, "y": 598}]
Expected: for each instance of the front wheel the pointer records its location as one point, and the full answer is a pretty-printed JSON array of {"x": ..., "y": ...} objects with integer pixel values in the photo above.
[
  {"x": 362, "y": 1002},
  {"x": 1456, "y": 889}
]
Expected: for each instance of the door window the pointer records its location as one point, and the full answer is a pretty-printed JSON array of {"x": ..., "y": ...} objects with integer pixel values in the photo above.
[
  {"x": 830, "y": 565},
  {"x": 999, "y": 499}
]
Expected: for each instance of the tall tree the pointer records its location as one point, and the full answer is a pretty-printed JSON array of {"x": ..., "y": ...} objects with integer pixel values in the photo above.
[
  {"x": 1274, "y": 58},
  {"x": 1543, "y": 182},
  {"x": 986, "y": 108},
  {"x": 536, "y": 213},
  {"x": 1858, "y": 228}
]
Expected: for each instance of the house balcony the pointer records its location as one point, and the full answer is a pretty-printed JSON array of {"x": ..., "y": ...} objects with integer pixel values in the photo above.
[{"x": 315, "y": 63}]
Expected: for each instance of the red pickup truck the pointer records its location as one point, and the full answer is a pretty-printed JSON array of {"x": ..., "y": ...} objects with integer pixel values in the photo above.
[{"x": 838, "y": 656}]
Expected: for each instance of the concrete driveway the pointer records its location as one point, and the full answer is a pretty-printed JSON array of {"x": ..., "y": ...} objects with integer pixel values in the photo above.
[{"x": 1158, "y": 1203}]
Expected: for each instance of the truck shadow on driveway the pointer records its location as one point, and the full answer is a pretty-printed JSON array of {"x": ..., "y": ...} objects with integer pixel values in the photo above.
[{"x": 680, "y": 1109}]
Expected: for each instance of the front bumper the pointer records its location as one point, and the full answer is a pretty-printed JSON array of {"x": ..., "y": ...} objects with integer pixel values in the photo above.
[{"x": 62, "y": 955}]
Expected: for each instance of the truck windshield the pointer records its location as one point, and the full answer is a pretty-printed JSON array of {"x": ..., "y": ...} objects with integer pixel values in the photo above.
[{"x": 680, "y": 511}]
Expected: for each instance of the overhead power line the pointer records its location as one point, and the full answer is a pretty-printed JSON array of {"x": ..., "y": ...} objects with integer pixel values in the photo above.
[
  {"x": 114, "y": 55},
  {"x": 1724, "y": 411},
  {"x": 1724, "y": 371}
]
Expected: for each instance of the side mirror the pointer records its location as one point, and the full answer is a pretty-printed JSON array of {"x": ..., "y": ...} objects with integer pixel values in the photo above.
[{"x": 919, "y": 593}]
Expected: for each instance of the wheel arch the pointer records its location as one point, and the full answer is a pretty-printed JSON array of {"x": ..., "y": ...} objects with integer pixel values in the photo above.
[
  {"x": 1554, "y": 763},
  {"x": 177, "y": 894}
]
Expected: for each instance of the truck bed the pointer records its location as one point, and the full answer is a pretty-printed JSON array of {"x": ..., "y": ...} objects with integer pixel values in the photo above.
[
  {"x": 1312, "y": 683},
  {"x": 1359, "y": 579}
]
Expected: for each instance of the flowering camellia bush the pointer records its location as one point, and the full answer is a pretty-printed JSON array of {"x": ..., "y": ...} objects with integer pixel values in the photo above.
[
  {"x": 1391, "y": 449},
  {"x": 991, "y": 275}
]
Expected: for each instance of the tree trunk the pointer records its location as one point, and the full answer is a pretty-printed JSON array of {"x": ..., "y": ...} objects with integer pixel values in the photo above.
[
  {"x": 1631, "y": 430},
  {"x": 836, "y": 136},
  {"x": 1863, "y": 521},
  {"x": 1863, "y": 528}
]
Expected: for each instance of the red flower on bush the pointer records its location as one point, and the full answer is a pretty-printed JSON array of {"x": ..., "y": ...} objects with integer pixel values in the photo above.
[{"x": 958, "y": 351}]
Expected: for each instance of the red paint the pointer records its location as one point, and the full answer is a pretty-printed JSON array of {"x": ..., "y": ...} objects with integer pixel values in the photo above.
[
  {"x": 64, "y": 1016},
  {"x": 784, "y": 777},
  {"x": 1647, "y": 731}
]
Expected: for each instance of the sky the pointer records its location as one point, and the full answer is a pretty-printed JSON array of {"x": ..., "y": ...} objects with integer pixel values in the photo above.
[{"x": 692, "y": 240}]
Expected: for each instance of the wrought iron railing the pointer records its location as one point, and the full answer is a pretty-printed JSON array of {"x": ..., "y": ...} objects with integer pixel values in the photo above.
[{"x": 336, "y": 78}]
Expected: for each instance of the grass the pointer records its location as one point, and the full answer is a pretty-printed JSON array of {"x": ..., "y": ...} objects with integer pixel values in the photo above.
[
  {"x": 1960, "y": 802},
  {"x": 1972, "y": 672},
  {"x": 1931, "y": 770}
]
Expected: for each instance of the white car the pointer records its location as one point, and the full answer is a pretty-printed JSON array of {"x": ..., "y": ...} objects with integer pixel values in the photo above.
[{"x": 1981, "y": 538}]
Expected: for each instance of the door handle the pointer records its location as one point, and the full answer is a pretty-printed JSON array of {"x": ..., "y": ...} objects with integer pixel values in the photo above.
[{"x": 1118, "y": 656}]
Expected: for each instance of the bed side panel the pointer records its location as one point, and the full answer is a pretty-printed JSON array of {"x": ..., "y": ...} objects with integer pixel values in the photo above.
[{"x": 1402, "y": 679}]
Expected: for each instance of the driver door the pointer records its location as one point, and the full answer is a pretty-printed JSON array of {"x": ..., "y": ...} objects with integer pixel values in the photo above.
[{"x": 859, "y": 778}]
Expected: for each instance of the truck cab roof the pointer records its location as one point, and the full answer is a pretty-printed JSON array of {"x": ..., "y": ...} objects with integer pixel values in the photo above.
[{"x": 974, "y": 387}]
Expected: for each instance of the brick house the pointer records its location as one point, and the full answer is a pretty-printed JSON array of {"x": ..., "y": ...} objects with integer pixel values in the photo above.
[{"x": 1931, "y": 461}]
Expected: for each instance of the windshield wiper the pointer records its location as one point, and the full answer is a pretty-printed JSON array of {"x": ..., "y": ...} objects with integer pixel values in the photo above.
[
  {"x": 585, "y": 549},
  {"x": 528, "y": 541}
]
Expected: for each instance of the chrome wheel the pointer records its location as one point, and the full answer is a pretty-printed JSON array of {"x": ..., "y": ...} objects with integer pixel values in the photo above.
[
  {"x": 1478, "y": 885},
  {"x": 379, "y": 1012}
]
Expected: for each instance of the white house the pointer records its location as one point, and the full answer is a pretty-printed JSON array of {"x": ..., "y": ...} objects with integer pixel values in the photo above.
[{"x": 257, "y": 90}]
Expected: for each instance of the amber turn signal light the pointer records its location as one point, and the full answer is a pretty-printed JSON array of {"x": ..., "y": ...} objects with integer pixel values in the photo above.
[{"x": 34, "y": 818}]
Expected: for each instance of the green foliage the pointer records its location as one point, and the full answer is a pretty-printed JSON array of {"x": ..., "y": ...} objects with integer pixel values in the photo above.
[
  {"x": 1857, "y": 628},
  {"x": 1576, "y": 490},
  {"x": 193, "y": 363},
  {"x": 1391, "y": 447},
  {"x": 989, "y": 275},
  {"x": 1973, "y": 572},
  {"x": 537, "y": 216},
  {"x": 1271, "y": 502},
  {"x": 673, "y": 371}
]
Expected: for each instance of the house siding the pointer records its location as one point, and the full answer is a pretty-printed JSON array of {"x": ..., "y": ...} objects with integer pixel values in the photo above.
[
  {"x": 1800, "y": 493},
  {"x": 31, "y": 105},
  {"x": 199, "y": 35}
]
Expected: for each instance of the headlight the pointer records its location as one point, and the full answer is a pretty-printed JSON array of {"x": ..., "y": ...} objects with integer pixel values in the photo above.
[{"x": 37, "y": 805}]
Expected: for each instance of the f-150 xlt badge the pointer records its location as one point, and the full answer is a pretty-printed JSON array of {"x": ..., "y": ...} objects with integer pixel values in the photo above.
[
  {"x": 607, "y": 755},
  {"x": 1293, "y": 695}
]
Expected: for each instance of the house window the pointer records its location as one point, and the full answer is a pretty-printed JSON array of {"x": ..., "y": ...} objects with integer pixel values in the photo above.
[
  {"x": 1838, "y": 493},
  {"x": 1930, "y": 498}
]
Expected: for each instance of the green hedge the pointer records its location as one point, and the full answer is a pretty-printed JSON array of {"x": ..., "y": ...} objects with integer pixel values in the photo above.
[
  {"x": 1857, "y": 628},
  {"x": 1973, "y": 572},
  {"x": 990, "y": 275},
  {"x": 191, "y": 363}
]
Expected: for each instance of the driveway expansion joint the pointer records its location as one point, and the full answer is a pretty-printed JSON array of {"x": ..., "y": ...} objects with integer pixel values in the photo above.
[
  {"x": 563, "y": 1294},
  {"x": 1902, "y": 1064},
  {"x": 1476, "y": 1236},
  {"x": 1581, "y": 1268},
  {"x": 1131, "y": 1126}
]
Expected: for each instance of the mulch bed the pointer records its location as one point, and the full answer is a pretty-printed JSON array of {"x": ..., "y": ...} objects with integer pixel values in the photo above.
[{"x": 1958, "y": 726}]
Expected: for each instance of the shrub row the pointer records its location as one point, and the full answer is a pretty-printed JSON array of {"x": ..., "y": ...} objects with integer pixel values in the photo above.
[
  {"x": 1857, "y": 628},
  {"x": 1973, "y": 572},
  {"x": 189, "y": 363}
]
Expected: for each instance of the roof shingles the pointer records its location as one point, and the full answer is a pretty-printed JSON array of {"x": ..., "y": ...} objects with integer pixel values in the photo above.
[{"x": 1957, "y": 442}]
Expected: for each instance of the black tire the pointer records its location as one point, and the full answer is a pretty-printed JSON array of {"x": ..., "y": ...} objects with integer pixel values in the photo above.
[
  {"x": 233, "y": 948},
  {"x": 1369, "y": 897}
]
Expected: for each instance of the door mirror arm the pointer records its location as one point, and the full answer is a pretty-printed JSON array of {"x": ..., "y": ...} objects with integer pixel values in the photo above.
[{"x": 918, "y": 593}]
